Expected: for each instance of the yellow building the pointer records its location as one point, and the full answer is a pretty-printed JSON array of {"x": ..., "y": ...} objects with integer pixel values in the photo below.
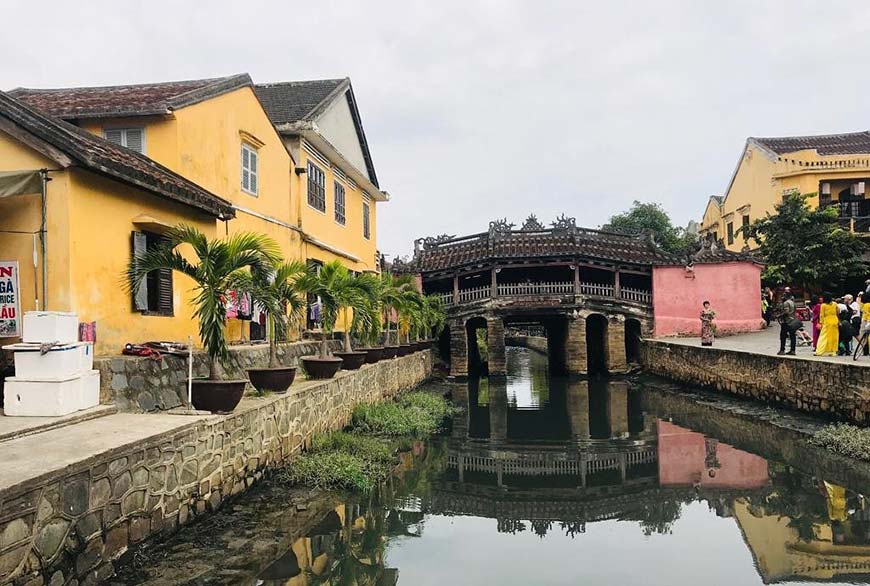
[
  {"x": 98, "y": 198},
  {"x": 834, "y": 168},
  {"x": 312, "y": 187}
]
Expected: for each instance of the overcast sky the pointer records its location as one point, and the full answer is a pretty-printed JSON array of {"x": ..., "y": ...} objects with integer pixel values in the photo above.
[{"x": 478, "y": 110}]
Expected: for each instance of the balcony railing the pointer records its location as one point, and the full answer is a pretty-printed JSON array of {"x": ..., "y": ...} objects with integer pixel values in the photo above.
[{"x": 548, "y": 288}]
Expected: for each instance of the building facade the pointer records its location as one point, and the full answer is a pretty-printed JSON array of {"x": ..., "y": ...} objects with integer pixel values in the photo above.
[
  {"x": 306, "y": 180},
  {"x": 833, "y": 170}
]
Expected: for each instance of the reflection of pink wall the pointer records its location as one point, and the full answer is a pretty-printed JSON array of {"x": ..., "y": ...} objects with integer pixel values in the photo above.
[
  {"x": 682, "y": 462},
  {"x": 733, "y": 289}
]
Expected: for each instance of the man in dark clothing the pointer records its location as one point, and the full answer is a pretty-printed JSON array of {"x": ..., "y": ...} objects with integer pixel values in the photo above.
[{"x": 786, "y": 331}]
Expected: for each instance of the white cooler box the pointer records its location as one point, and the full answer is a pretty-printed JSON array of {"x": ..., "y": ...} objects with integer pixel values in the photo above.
[
  {"x": 31, "y": 398},
  {"x": 90, "y": 395},
  {"x": 59, "y": 363},
  {"x": 50, "y": 326}
]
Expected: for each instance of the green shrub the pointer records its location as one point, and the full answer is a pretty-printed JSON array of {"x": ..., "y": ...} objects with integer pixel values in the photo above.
[
  {"x": 847, "y": 440},
  {"x": 334, "y": 470},
  {"x": 416, "y": 415},
  {"x": 368, "y": 448}
]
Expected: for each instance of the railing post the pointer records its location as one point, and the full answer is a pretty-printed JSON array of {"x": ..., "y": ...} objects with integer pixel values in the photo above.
[
  {"x": 455, "y": 289},
  {"x": 576, "y": 279},
  {"x": 493, "y": 282},
  {"x": 616, "y": 283}
]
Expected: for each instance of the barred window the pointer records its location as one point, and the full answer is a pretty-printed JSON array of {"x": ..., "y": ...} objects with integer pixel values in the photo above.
[
  {"x": 339, "y": 204},
  {"x": 316, "y": 187},
  {"x": 367, "y": 226}
]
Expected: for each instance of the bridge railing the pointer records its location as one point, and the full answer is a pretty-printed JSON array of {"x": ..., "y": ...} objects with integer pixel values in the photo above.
[{"x": 547, "y": 288}]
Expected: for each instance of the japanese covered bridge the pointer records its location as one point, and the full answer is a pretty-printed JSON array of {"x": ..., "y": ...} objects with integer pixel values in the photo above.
[{"x": 589, "y": 290}]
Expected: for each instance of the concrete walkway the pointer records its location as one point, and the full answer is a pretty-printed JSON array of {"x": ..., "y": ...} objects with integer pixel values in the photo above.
[{"x": 767, "y": 342}]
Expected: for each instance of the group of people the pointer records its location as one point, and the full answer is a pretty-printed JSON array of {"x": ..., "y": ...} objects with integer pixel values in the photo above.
[{"x": 837, "y": 322}]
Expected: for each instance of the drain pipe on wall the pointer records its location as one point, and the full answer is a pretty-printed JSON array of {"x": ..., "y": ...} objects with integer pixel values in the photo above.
[{"x": 44, "y": 237}]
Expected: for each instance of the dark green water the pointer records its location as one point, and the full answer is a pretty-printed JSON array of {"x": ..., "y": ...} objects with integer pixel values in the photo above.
[{"x": 546, "y": 480}]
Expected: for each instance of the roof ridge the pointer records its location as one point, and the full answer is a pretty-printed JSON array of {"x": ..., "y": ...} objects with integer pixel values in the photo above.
[
  {"x": 301, "y": 81},
  {"x": 831, "y": 135},
  {"x": 211, "y": 80}
]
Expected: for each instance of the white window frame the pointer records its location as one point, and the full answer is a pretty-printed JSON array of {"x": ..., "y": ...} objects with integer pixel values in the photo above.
[
  {"x": 251, "y": 170},
  {"x": 367, "y": 220},
  {"x": 124, "y": 130},
  {"x": 310, "y": 167}
]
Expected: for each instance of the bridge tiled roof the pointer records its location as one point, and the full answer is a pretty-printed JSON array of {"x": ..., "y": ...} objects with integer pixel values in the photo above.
[{"x": 598, "y": 245}]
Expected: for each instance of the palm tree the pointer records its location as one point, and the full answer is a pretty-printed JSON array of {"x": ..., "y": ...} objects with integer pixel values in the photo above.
[
  {"x": 340, "y": 292},
  {"x": 432, "y": 315},
  {"x": 408, "y": 310},
  {"x": 217, "y": 261},
  {"x": 276, "y": 289},
  {"x": 391, "y": 293}
]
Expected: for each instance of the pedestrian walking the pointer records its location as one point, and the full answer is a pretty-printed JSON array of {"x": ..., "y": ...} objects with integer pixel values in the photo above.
[
  {"x": 855, "y": 306},
  {"x": 787, "y": 327},
  {"x": 708, "y": 328},
  {"x": 845, "y": 334},
  {"x": 817, "y": 306},
  {"x": 829, "y": 334},
  {"x": 768, "y": 302}
]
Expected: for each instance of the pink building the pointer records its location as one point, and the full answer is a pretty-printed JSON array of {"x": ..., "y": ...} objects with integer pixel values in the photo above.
[{"x": 731, "y": 282}]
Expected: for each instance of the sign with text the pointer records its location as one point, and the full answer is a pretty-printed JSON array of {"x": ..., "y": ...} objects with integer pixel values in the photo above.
[{"x": 10, "y": 305}]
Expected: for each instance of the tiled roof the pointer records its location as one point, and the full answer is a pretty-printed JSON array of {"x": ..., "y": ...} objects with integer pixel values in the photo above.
[
  {"x": 106, "y": 158},
  {"x": 826, "y": 144},
  {"x": 292, "y": 101},
  {"x": 127, "y": 100},
  {"x": 581, "y": 242}
]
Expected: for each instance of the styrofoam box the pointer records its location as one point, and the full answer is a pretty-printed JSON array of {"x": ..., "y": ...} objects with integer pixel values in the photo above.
[
  {"x": 90, "y": 395},
  {"x": 50, "y": 326},
  {"x": 59, "y": 363},
  {"x": 28, "y": 398}
]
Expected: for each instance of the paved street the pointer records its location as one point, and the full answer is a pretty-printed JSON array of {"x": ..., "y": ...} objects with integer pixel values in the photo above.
[{"x": 767, "y": 342}]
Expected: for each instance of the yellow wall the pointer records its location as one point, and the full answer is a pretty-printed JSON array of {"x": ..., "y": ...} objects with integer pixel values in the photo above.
[{"x": 763, "y": 178}]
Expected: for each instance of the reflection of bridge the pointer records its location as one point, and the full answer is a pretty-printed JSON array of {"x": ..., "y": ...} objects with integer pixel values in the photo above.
[{"x": 590, "y": 290}]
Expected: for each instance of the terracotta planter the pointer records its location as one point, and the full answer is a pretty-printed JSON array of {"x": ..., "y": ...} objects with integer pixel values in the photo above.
[
  {"x": 321, "y": 368},
  {"x": 390, "y": 352},
  {"x": 217, "y": 396},
  {"x": 351, "y": 360},
  {"x": 275, "y": 380},
  {"x": 404, "y": 349},
  {"x": 373, "y": 354}
]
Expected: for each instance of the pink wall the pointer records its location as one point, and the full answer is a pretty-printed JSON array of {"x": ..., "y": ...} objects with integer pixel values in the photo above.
[
  {"x": 733, "y": 289},
  {"x": 683, "y": 462}
]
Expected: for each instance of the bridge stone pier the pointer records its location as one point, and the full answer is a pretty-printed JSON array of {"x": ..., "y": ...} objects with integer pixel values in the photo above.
[{"x": 590, "y": 290}]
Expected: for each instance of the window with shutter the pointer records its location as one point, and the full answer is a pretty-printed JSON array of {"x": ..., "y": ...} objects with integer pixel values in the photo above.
[
  {"x": 249, "y": 169},
  {"x": 132, "y": 138},
  {"x": 316, "y": 188},
  {"x": 340, "y": 216},
  {"x": 154, "y": 295},
  {"x": 367, "y": 227}
]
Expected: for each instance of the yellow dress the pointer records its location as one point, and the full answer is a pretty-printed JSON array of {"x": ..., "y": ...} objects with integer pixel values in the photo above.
[{"x": 829, "y": 336}]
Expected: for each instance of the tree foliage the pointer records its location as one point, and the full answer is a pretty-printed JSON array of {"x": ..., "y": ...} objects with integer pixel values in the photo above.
[
  {"x": 804, "y": 247},
  {"x": 652, "y": 218}
]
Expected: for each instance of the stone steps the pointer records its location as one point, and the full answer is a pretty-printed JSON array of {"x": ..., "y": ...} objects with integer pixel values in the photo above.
[{"x": 12, "y": 428}]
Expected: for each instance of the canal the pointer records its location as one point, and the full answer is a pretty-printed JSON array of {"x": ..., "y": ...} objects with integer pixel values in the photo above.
[{"x": 550, "y": 480}]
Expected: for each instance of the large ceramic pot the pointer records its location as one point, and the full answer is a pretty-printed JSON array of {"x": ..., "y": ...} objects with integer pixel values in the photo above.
[
  {"x": 275, "y": 380},
  {"x": 372, "y": 354},
  {"x": 390, "y": 352},
  {"x": 351, "y": 360},
  {"x": 321, "y": 368},
  {"x": 217, "y": 396},
  {"x": 404, "y": 349}
]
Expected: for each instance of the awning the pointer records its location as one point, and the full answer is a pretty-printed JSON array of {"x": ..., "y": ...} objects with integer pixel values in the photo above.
[{"x": 19, "y": 183}]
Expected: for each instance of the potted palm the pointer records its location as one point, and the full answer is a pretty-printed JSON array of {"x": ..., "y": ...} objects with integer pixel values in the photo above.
[
  {"x": 390, "y": 295},
  {"x": 433, "y": 319},
  {"x": 367, "y": 328},
  {"x": 407, "y": 307},
  {"x": 276, "y": 289},
  {"x": 216, "y": 263},
  {"x": 340, "y": 292}
]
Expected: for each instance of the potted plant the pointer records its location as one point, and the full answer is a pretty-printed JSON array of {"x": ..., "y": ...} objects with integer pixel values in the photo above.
[
  {"x": 217, "y": 260},
  {"x": 407, "y": 307},
  {"x": 429, "y": 320},
  {"x": 340, "y": 292},
  {"x": 366, "y": 327},
  {"x": 276, "y": 289},
  {"x": 390, "y": 294}
]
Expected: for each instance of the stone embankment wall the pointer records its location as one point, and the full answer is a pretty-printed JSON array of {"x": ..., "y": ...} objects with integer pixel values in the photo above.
[
  {"x": 138, "y": 384},
  {"x": 838, "y": 390},
  {"x": 536, "y": 343},
  {"x": 68, "y": 526}
]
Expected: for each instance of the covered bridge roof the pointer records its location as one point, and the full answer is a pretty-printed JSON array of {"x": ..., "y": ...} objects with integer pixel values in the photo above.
[{"x": 533, "y": 241}]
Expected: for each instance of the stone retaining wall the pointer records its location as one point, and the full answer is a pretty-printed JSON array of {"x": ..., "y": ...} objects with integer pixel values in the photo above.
[
  {"x": 838, "y": 390},
  {"x": 68, "y": 527},
  {"x": 535, "y": 343},
  {"x": 138, "y": 384}
]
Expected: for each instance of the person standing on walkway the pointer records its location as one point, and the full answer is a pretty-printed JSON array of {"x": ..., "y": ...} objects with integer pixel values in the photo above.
[
  {"x": 786, "y": 328},
  {"x": 708, "y": 329},
  {"x": 829, "y": 334},
  {"x": 767, "y": 303},
  {"x": 817, "y": 326},
  {"x": 865, "y": 325}
]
